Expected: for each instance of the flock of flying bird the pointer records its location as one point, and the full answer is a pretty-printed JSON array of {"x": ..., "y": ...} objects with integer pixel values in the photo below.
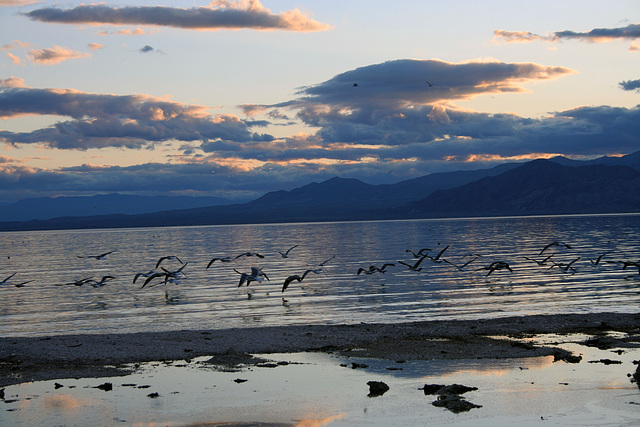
[{"x": 162, "y": 275}]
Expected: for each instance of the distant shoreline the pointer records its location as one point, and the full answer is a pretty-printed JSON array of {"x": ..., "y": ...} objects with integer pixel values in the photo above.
[
  {"x": 85, "y": 222},
  {"x": 24, "y": 359}
]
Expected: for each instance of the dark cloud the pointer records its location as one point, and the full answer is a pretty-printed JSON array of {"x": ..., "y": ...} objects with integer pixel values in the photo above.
[
  {"x": 630, "y": 85},
  {"x": 220, "y": 15},
  {"x": 597, "y": 35},
  {"x": 400, "y": 83},
  {"x": 146, "y": 49},
  {"x": 630, "y": 32},
  {"x": 392, "y": 126},
  {"x": 99, "y": 120}
]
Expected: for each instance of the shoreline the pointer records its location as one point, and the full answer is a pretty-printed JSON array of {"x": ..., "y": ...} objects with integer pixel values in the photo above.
[{"x": 26, "y": 359}]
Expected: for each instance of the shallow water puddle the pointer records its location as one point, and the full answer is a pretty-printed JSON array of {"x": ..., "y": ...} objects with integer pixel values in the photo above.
[{"x": 317, "y": 389}]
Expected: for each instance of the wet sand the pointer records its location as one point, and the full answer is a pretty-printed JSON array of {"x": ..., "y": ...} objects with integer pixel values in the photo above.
[{"x": 25, "y": 359}]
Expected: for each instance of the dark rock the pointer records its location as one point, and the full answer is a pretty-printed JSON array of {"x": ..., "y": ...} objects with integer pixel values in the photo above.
[
  {"x": 105, "y": 387},
  {"x": 377, "y": 388},
  {"x": 240, "y": 380},
  {"x": 153, "y": 395},
  {"x": 359, "y": 365},
  {"x": 446, "y": 389},
  {"x": 565, "y": 356},
  {"x": 456, "y": 389},
  {"x": 431, "y": 388},
  {"x": 607, "y": 361},
  {"x": 57, "y": 386},
  {"x": 454, "y": 403},
  {"x": 636, "y": 376}
]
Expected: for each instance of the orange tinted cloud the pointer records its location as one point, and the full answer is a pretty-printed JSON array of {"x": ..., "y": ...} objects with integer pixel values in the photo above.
[{"x": 54, "y": 55}]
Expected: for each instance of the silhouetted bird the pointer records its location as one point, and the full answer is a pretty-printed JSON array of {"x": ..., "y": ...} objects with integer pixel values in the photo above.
[
  {"x": 168, "y": 257},
  {"x": 554, "y": 244},
  {"x": 101, "y": 256},
  {"x": 293, "y": 277},
  {"x": 255, "y": 276},
  {"x": 222, "y": 259},
  {"x": 286, "y": 254},
  {"x": 497, "y": 265}
]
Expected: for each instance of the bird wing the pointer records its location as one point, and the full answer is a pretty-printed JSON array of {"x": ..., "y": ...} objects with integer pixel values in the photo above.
[
  {"x": 150, "y": 278},
  {"x": 290, "y": 279}
]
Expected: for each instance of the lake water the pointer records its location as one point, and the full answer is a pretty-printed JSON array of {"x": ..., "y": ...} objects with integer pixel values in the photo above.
[{"x": 209, "y": 298}]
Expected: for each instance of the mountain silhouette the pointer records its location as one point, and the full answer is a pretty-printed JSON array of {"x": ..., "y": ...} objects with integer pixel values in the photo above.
[{"x": 538, "y": 187}]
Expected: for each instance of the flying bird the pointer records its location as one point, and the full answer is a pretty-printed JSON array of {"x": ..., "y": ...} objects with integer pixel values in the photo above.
[
  {"x": 597, "y": 261},
  {"x": 248, "y": 254},
  {"x": 147, "y": 274},
  {"x": 168, "y": 257},
  {"x": 539, "y": 262},
  {"x": 299, "y": 278},
  {"x": 497, "y": 265},
  {"x": 562, "y": 244},
  {"x": 5, "y": 281},
  {"x": 428, "y": 83},
  {"x": 222, "y": 259},
  {"x": 101, "y": 256},
  {"x": 416, "y": 265},
  {"x": 169, "y": 276},
  {"x": 257, "y": 275},
  {"x": 286, "y": 254},
  {"x": 102, "y": 282},
  {"x": 79, "y": 282},
  {"x": 437, "y": 257},
  {"x": 418, "y": 254},
  {"x": 565, "y": 267},
  {"x": 373, "y": 268},
  {"x": 323, "y": 263}
]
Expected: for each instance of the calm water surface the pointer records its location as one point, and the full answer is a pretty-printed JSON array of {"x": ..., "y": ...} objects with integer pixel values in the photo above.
[{"x": 210, "y": 298}]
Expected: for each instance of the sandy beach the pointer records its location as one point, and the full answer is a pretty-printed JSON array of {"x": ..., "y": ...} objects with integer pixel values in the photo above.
[{"x": 24, "y": 359}]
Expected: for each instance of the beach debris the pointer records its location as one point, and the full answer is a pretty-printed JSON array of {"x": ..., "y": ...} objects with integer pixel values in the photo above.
[
  {"x": 449, "y": 396},
  {"x": 377, "y": 388}
]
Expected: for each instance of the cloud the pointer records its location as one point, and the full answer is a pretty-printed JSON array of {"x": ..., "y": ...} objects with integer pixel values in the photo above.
[
  {"x": 14, "y": 58},
  {"x": 54, "y": 55},
  {"x": 134, "y": 32},
  {"x": 17, "y": 2},
  {"x": 95, "y": 46},
  {"x": 630, "y": 85},
  {"x": 403, "y": 83},
  {"x": 102, "y": 120},
  {"x": 393, "y": 115},
  {"x": 12, "y": 82},
  {"x": 393, "y": 121},
  {"x": 218, "y": 15},
  {"x": 146, "y": 49},
  {"x": 597, "y": 35}
]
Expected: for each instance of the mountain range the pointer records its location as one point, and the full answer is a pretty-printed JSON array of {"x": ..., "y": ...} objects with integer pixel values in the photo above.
[{"x": 538, "y": 187}]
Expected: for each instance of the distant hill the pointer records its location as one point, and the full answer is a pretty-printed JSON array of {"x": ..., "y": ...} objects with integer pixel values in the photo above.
[
  {"x": 540, "y": 187},
  {"x": 102, "y": 204},
  {"x": 537, "y": 187}
]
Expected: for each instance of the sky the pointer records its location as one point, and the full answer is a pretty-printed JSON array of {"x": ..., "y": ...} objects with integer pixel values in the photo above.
[{"x": 238, "y": 98}]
